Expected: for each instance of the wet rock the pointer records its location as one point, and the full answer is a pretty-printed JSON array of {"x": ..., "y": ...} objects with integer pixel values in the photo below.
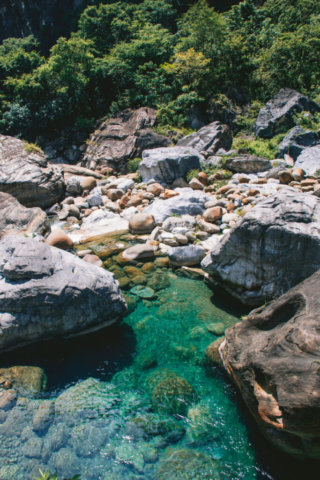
[
  {"x": 281, "y": 227},
  {"x": 212, "y": 352},
  {"x": 32, "y": 448},
  {"x": 139, "y": 252},
  {"x": 272, "y": 356},
  {"x": 184, "y": 464},
  {"x": 59, "y": 239},
  {"x": 217, "y": 328},
  {"x": 172, "y": 394},
  {"x": 58, "y": 437},
  {"x": 67, "y": 463},
  {"x": 248, "y": 164},
  {"x": 17, "y": 219},
  {"x": 138, "y": 280},
  {"x": 24, "y": 379},
  {"x": 168, "y": 164},
  {"x": 129, "y": 455},
  {"x": 277, "y": 115},
  {"x": 131, "y": 302},
  {"x": 142, "y": 292},
  {"x": 87, "y": 440},
  {"x": 89, "y": 399},
  {"x": 42, "y": 287},
  {"x": 27, "y": 176},
  {"x": 211, "y": 137},
  {"x": 7, "y": 399},
  {"x": 148, "y": 268},
  {"x": 152, "y": 425},
  {"x": 159, "y": 281},
  {"x": 141, "y": 223},
  {"x": 44, "y": 416},
  {"x": 115, "y": 142}
]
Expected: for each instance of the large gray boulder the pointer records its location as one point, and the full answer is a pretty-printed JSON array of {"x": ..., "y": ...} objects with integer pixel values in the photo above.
[
  {"x": 147, "y": 139},
  {"x": 272, "y": 356},
  {"x": 296, "y": 141},
  {"x": 17, "y": 219},
  {"x": 186, "y": 256},
  {"x": 165, "y": 165},
  {"x": 28, "y": 176},
  {"x": 191, "y": 202},
  {"x": 248, "y": 164},
  {"x": 46, "y": 292},
  {"x": 211, "y": 138},
  {"x": 277, "y": 116},
  {"x": 273, "y": 248},
  {"x": 115, "y": 142},
  {"x": 309, "y": 160}
]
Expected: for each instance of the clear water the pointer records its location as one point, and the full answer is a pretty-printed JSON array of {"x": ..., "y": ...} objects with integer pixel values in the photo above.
[{"x": 138, "y": 401}]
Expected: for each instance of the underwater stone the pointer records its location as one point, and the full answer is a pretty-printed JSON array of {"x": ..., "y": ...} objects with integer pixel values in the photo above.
[
  {"x": 143, "y": 292},
  {"x": 159, "y": 281},
  {"x": 87, "y": 439},
  {"x": 44, "y": 416},
  {"x": 67, "y": 463}
]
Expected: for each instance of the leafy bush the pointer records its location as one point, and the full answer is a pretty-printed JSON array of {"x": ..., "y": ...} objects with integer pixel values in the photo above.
[
  {"x": 133, "y": 165},
  {"x": 265, "y": 148},
  {"x": 48, "y": 476}
]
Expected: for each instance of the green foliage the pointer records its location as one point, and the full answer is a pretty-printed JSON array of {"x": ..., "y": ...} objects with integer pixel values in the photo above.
[
  {"x": 32, "y": 148},
  {"x": 308, "y": 121},
  {"x": 192, "y": 174},
  {"x": 265, "y": 148},
  {"x": 48, "y": 476},
  {"x": 133, "y": 165},
  {"x": 143, "y": 53}
]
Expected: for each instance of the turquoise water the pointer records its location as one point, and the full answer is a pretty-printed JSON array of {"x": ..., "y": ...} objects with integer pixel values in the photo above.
[{"x": 138, "y": 401}]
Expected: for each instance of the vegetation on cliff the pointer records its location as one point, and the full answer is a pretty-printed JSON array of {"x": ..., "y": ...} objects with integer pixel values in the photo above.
[{"x": 131, "y": 55}]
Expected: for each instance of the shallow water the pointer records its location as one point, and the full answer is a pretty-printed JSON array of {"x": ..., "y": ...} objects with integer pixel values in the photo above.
[{"x": 138, "y": 401}]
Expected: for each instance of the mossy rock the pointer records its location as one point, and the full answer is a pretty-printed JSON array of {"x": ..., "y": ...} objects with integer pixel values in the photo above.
[
  {"x": 131, "y": 302},
  {"x": 159, "y": 281},
  {"x": 217, "y": 329},
  {"x": 138, "y": 280},
  {"x": 186, "y": 464},
  {"x": 172, "y": 395},
  {"x": 148, "y": 268},
  {"x": 153, "y": 425}
]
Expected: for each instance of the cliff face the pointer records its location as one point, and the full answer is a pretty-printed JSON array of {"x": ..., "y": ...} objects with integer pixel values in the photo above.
[{"x": 47, "y": 20}]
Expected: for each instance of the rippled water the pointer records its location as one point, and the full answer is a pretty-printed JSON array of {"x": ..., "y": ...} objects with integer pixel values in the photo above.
[{"x": 139, "y": 401}]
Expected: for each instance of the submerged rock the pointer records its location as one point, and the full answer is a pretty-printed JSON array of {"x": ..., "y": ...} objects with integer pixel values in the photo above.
[
  {"x": 186, "y": 464},
  {"x": 272, "y": 355},
  {"x": 273, "y": 248},
  {"x": 45, "y": 293}
]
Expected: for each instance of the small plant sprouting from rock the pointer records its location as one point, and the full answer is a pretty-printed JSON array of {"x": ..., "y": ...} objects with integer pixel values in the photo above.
[
  {"x": 49, "y": 476},
  {"x": 133, "y": 165},
  {"x": 192, "y": 174},
  {"x": 33, "y": 148}
]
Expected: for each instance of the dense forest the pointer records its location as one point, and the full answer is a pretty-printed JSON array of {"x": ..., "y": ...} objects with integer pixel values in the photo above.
[{"x": 157, "y": 54}]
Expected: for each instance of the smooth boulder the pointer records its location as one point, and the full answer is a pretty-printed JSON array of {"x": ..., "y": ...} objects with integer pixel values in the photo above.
[
  {"x": 272, "y": 356},
  {"x": 274, "y": 247},
  {"x": 47, "y": 293},
  {"x": 17, "y": 219},
  {"x": 165, "y": 165},
  {"x": 141, "y": 223},
  {"x": 277, "y": 115},
  {"x": 186, "y": 256},
  {"x": 191, "y": 202},
  {"x": 28, "y": 176},
  {"x": 248, "y": 164}
]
